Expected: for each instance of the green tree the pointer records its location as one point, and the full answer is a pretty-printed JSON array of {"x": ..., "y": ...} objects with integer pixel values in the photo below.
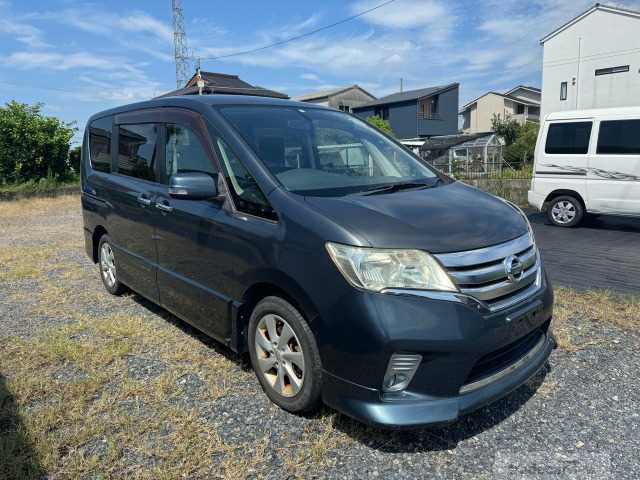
[
  {"x": 522, "y": 149},
  {"x": 508, "y": 129},
  {"x": 380, "y": 124},
  {"x": 32, "y": 146}
]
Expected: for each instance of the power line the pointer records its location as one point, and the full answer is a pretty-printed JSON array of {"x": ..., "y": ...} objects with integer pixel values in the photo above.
[
  {"x": 297, "y": 37},
  {"x": 37, "y": 87}
]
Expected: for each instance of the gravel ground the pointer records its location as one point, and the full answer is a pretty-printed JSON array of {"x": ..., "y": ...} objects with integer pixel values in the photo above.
[{"x": 579, "y": 418}]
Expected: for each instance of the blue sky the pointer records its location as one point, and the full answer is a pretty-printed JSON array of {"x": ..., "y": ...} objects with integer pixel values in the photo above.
[{"x": 81, "y": 57}]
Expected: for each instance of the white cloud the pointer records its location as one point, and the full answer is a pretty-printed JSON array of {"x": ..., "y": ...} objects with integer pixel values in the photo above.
[
  {"x": 310, "y": 76},
  {"x": 404, "y": 14},
  {"x": 23, "y": 32},
  {"x": 141, "y": 22}
]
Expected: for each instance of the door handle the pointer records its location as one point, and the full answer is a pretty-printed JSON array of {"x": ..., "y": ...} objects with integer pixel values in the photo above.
[
  {"x": 164, "y": 206},
  {"x": 144, "y": 200}
]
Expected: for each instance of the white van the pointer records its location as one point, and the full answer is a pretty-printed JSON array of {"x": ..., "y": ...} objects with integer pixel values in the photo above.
[{"x": 587, "y": 161}]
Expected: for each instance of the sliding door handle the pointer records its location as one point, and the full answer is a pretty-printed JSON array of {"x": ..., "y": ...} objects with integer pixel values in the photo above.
[
  {"x": 164, "y": 207},
  {"x": 144, "y": 200}
]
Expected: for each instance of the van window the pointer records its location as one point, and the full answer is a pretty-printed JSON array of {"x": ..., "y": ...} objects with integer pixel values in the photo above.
[
  {"x": 568, "y": 138},
  {"x": 620, "y": 137},
  {"x": 246, "y": 194},
  {"x": 100, "y": 144},
  {"x": 137, "y": 150},
  {"x": 185, "y": 153}
]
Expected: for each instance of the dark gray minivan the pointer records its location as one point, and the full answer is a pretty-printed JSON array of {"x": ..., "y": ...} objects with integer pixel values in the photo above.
[{"x": 350, "y": 271}]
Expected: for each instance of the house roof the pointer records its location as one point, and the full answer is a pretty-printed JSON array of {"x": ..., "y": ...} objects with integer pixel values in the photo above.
[
  {"x": 505, "y": 95},
  {"x": 524, "y": 87},
  {"x": 597, "y": 6},
  {"x": 328, "y": 93},
  {"x": 216, "y": 83},
  {"x": 409, "y": 95}
]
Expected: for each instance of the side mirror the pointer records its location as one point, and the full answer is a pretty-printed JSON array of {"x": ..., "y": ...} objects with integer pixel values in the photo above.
[{"x": 193, "y": 186}]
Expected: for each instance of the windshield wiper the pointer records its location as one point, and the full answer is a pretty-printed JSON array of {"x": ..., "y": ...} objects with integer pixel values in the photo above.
[{"x": 395, "y": 187}]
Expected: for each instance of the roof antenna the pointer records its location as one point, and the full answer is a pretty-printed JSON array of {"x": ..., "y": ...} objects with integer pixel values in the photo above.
[{"x": 199, "y": 80}]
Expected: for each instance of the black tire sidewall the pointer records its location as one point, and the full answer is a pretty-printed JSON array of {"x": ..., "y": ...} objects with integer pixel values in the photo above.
[
  {"x": 577, "y": 205},
  {"x": 117, "y": 287},
  {"x": 308, "y": 398}
]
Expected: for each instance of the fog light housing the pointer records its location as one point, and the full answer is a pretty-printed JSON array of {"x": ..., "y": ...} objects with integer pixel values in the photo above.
[{"x": 400, "y": 371}]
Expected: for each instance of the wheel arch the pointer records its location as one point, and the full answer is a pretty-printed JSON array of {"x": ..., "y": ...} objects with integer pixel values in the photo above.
[
  {"x": 97, "y": 234},
  {"x": 278, "y": 285},
  {"x": 561, "y": 192}
]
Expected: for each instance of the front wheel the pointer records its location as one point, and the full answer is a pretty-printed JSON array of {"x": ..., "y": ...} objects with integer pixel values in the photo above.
[
  {"x": 565, "y": 211},
  {"x": 284, "y": 355}
]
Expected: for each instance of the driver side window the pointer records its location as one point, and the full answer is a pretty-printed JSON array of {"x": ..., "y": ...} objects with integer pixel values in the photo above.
[{"x": 184, "y": 152}]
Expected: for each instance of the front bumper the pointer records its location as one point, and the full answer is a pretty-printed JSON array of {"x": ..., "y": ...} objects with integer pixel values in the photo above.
[
  {"x": 461, "y": 368},
  {"x": 535, "y": 199}
]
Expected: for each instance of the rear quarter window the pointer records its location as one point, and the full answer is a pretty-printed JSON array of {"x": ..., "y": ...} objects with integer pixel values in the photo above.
[
  {"x": 619, "y": 137},
  {"x": 570, "y": 138},
  {"x": 100, "y": 144}
]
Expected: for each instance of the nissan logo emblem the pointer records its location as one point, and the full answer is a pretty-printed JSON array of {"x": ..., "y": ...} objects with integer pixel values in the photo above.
[{"x": 513, "y": 268}]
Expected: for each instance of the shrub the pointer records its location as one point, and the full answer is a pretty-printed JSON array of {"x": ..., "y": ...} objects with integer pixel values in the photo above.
[
  {"x": 380, "y": 124},
  {"x": 32, "y": 146}
]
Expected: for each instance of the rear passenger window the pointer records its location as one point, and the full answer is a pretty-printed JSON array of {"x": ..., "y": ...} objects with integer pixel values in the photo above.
[
  {"x": 137, "y": 151},
  {"x": 620, "y": 137},
  {"x": 185, "y": 153},
  {"x": 100, "y": 144},
  {"x": 568, "y": 138}
]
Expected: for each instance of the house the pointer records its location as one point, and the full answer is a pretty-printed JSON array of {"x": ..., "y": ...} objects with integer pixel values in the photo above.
[
  {"x": 417, "y": 113},
  {"x": 522, "y": 103},
  {"x": 223, "y": 83},
  {"x": 342, "y": 98},
  {"x": 592, "y": 61}
]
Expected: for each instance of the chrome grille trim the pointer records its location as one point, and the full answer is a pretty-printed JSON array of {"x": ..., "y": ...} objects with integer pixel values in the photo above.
[
  {"x": 482, "y": 275},
  {"x": 483, "y": 382},
  {"x": 487, "y": 254}
]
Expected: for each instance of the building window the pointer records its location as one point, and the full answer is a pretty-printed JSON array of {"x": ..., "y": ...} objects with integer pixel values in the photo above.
[
  {"x": 382, "y": 112},
  {"x": 570, "y": 138},
  {"x": 344, "y": 108},
  {"x": 610, "y": 70},
  {"x": 619, "y": 137},
  {"x": 519, "y": 109},
  {"x": 563, "y": 91}
]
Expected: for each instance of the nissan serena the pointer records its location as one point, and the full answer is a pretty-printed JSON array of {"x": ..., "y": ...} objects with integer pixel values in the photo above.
[{"x": 350, "y": 271}]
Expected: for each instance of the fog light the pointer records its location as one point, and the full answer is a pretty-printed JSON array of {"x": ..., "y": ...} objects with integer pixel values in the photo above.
[{"x": 400, "y": 371}]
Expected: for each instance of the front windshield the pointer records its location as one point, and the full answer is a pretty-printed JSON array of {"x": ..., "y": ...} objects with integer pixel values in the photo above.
[{"x": 321, "y": 152}]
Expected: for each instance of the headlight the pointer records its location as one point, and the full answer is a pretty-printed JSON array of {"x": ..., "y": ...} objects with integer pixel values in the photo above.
[{"x": 376, "y": 269}]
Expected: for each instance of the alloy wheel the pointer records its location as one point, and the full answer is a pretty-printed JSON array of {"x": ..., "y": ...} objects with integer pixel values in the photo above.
[
  {"x": 563, "y": 212},
  {"x": 279, "y": 355},
  {"x": 108, "y": 264}
]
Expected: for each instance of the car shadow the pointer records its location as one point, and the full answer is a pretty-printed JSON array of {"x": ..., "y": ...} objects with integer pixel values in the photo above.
[
  {"x": 598, "y": 222},
  {"x": 17, "y": 456},
  {"x": 444, "y": 437},
  {"x": 241, "y": 359}
]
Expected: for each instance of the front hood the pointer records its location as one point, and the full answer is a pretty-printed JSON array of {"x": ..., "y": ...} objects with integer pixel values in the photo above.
[{"x": 448, "y": 218}]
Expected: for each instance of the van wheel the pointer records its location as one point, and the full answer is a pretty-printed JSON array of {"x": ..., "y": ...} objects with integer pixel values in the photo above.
[
  {"x": 285, "y": 356},
  {"x": 107, "y": 263},
  {"x": 565, "y": 211}
]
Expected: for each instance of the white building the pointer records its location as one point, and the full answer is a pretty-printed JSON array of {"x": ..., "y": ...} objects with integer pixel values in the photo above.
[
  {"x": 521, "y": 103},
  {"x": 592, "y": 61}
]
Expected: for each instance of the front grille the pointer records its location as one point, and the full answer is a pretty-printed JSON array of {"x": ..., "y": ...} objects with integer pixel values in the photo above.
[{"x": 482, "y": 273}]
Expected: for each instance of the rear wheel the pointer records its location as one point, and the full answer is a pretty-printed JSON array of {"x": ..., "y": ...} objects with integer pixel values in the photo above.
[
  {"x": 285, "y": 356},
  {"x": 108, "y": 270},
  {"x": 565, "y": 211}
]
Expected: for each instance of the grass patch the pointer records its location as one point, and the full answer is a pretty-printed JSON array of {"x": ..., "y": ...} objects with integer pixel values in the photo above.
[
  {"x": 38, "y": 207},
  {"x": 595, "y": 306},
  {"x": 44, "y": 185}
]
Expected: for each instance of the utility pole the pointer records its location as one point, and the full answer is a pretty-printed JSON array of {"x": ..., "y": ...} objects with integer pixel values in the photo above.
[
  {"x": 401, "y": 85},
  {"x": 180, "y": 47}
]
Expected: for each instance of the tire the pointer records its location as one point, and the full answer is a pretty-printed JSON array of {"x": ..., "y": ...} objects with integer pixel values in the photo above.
[
  {"x": 565, "y": 211},
  {"x": 281, "y": 360},
  {"x": 108, "y": 267}
]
